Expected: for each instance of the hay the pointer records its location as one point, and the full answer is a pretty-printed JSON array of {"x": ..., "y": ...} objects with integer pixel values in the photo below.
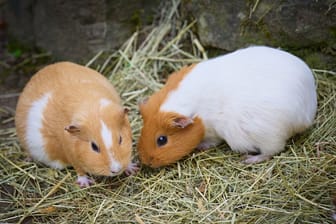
[{"x": 208, "y": 187}]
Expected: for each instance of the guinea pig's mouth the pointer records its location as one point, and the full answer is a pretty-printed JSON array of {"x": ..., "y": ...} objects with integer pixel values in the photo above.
[
  {"x": 157, "y": 163},
  {"x": 107, "y": 173},
  {"x": 113, "y": 174},
  {"x": 148, "y": 163},
  {"x": 152, "y": 165},
  {"x": 153, "y": 161}
]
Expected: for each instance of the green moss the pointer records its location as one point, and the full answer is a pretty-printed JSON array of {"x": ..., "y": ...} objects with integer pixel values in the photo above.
[
  {"x": 315, "y": 60},
  {"x": 17, "y": 48},
  {"x": 136, "y": 18},
  {"x": 139, "y": 18},
  {"x": 315, "y": 57},
  {"x": 19, "y": 62},
  {"x": 333, "y": 33}
]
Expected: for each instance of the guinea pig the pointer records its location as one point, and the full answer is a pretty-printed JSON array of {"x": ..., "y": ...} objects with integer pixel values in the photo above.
[
  {"x": 70, "y": 115},
  {"x": 253, "y": 98}
]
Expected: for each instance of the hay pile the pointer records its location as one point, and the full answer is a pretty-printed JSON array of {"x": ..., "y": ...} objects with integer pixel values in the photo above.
[{"x": 208, "y": 187}]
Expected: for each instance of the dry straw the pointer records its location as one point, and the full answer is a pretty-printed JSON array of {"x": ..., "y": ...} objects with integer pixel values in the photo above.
[{"x": 209, "y": 187}]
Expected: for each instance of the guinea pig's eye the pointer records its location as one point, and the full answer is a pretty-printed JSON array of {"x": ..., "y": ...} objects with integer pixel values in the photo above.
[
  {"x": 161, "y": 140},
  {"x": 120, "y": 140},
  {"x": 95, "y": 147}
]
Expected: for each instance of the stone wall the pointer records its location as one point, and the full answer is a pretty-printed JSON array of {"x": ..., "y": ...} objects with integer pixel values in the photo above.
[
  {"x": 306, "y": 28},
  {"x": 76, "y": 30},
  {"x": 290, "y": 23}
]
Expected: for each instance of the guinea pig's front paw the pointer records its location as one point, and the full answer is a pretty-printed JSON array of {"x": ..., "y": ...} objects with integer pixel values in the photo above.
[
  {"x": 28, "y": 159},
  {"x": 252, "y": 159},
  {"x": 205, "y": 145},
  {"x": 84, "y": 181},
  {"x": 132, "y": 168}
]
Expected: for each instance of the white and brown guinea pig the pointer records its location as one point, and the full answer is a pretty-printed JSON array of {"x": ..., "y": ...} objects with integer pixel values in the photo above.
[
  {"x": 254, "y": 99},
  {"x": 70, "y": 115}
]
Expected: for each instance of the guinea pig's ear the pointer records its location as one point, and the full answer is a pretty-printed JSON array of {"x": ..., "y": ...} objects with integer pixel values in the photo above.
[
  {"x": 126, "y": 110},
  {"x": 141, "y": 104},
  {"x": 77, "y": 131},
  {"x": 73, "y": 130},
  {"x": 182, "y": 122}
]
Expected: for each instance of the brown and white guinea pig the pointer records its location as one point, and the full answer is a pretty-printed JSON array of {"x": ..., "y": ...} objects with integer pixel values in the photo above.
[
  {"x": 70, "y": 115},
  {"x": 254, "y": 99}
]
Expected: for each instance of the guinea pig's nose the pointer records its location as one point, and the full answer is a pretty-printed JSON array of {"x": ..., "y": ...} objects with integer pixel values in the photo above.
[
  {"x": 115, "y": 172},
  {"x": 115, "y": 168},
  {"x": 150, "y": 161}
]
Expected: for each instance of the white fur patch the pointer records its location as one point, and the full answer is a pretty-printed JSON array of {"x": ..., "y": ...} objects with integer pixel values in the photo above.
[
  {"x": 104, "y": 102},
  {"x": 34, "y": 137},
  {"x": 106, "y": 135},
  {"x": 115, "y": 166}
]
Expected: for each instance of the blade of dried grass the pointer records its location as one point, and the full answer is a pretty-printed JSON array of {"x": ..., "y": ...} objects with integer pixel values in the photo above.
[{"x": 44, "y": 198}]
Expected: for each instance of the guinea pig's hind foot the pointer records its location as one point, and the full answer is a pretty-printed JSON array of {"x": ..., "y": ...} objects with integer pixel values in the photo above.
[
  {"x": 28, "y": 159},
  {"x": 84, "y": 181},
  {"x": 132, "y": 168},
  {"x": 252, "y": 159},
  {"x": 205, "y": 145}
]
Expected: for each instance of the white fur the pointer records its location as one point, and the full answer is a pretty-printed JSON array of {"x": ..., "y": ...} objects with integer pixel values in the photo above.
[
  {"x": 34, "y": 137},
  {"x": 104, "y": 102},
  {"x": 84, "y": 181},
  {"x": 256, "y": 97},
  {"x": 106, "y": 134},
  {"x": 115, "y": 166}
]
